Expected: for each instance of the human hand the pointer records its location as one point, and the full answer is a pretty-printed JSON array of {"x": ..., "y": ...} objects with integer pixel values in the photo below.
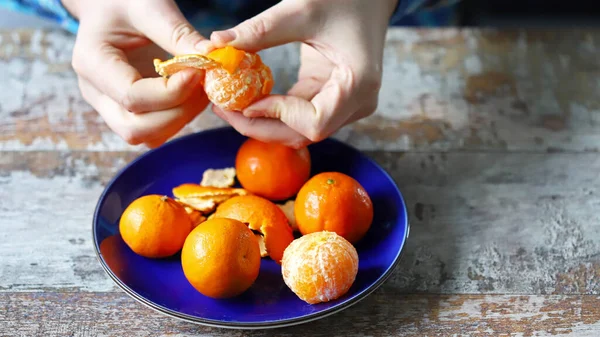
[
  {"x": 340, "y": 73},
  {"x": 112, "y": 57}
]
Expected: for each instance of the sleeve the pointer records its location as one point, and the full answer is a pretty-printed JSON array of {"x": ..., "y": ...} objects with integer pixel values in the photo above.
[
  {"x": 50, "y": 9},
  {"x": 414, "y": 7}
]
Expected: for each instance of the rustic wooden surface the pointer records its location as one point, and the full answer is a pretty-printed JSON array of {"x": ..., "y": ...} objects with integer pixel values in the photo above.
[{"x": 491, "y": 136}]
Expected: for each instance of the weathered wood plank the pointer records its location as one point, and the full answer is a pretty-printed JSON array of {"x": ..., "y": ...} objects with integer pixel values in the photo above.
[
  {"x": 519, "y": 223},
  {"x": 443, "y": 89},
  {"x": 385, "y": 313}
]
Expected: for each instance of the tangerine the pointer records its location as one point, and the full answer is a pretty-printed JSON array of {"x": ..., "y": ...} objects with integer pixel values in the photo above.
[
  {"x": 221, "y": 258},
  {"x": 262, "y": 216},
  {"x": 232, "y": 78},
  {"x": 320, "y": 267},
  {"x": 272, "y": 170},
  {"x": 155, "y": 226},
  {"x": 241, "y": 80},
  {"x": 335, "y": 202}
]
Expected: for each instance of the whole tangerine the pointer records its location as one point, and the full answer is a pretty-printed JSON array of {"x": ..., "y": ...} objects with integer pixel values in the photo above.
[
  {"x": 320, "y": 267},
  {"x": 221, "y": 258},
  {"x": 262, "y": 216},
  {"x": 336, "y": 202},
  {"x": 272, "y": 170},
  {"x": 155, "y": 226},
  {"x": 241, "y": 79}
]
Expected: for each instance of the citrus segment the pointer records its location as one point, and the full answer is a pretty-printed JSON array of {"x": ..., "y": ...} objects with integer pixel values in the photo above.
[{"x": 236, "y": 90}]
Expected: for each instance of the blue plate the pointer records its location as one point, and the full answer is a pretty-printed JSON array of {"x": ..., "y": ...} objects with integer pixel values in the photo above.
[{"x": 161, "y": 284}]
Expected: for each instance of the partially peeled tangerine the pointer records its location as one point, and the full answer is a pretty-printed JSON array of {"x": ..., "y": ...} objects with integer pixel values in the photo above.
[{"x": 233, "y": 78}]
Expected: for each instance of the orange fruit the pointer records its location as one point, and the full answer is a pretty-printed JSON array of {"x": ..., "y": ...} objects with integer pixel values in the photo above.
[
  {"x": 263, "y": 216},
  {"x": 155, "y": 226},
  {"x": 271, "y": 170},
  {"x": 241, "y": 80},
  {"x": 336, "y": 202},
  {"x": 319, "y": 267},
  {"x": 233, "y": 79},
  {"x": 112, "y": 250},
  {"x": 221, "y": 258}
]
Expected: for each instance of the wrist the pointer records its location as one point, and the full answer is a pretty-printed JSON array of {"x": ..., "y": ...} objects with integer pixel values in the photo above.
[
  {"x": 392, "y": 6},
  {"x": 72, "y": 6}
]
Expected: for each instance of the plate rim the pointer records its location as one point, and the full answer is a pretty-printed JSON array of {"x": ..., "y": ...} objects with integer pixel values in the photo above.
[{"x": 236, "y": 325}]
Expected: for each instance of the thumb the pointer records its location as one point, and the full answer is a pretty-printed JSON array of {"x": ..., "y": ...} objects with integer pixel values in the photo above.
[
  {"x": 298, "y": 113},
  {"x": 164, "y": 24},
  {"x": 285, "y": 22}
]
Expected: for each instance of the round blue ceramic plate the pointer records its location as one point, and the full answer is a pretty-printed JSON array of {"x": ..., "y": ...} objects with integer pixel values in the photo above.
[{"x": 161, "y": 284}]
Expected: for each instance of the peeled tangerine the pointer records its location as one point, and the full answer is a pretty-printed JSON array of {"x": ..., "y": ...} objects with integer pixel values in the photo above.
[
  {"x": 320, "y": 267},
  {"x": 233, "y": 78}
]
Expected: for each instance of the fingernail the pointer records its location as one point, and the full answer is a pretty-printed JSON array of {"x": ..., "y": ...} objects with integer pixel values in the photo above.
[
  {"x": 204, "y": 46},
  {"x": 219, "y": 113},
  {"x": 189, "y": 77},
  {"x": 224, "y": 36},
  {"x": 196, "y": 77},
  {"x": 251, "y": 113}
]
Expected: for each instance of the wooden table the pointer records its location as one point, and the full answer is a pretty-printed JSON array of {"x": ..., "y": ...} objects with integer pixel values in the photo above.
[{"x": 493, "y": 138}]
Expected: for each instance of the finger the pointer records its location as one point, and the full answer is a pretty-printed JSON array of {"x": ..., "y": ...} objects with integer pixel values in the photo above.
[
  {"x": 153, "y": 94},
  {"x": 295, "y": 112},
  {"x": 313, "y": 64},
  {"x": 287, "y": 21},
  {"x": 263, "y": 129},
  {"x": 108, "y": 70},
  {"x": 364, "y": 112},
  {"x": 149, "y": 127},
  {"x": 305, "y": 88},
  {"x": 155, "y": 143},
  {"x": 163, "y": 23},
  {"x": 318, "y": 118}
]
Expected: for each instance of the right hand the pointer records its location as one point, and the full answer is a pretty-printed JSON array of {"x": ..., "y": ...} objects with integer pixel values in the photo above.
[
  {"x": 116, "y": 43},
  {"x": 341, "y": 63}
]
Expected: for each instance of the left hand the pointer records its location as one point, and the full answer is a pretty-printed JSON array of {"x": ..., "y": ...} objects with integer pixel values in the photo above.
[
  {"x": 340, "y": 72},
  {"x": 112, "y": 58}
]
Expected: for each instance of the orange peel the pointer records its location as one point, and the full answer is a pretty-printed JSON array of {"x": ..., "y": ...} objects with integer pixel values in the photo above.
[
  {"x": 229, "y": 58},
  {"x": 170, "y": 67},
  {"x": 189, "y": 190},
  {"x": 263, "y": 216},
  {"x": 288, "y": 210},
  {"x": 195, "y": 216},
  {"x": 262, "y": 245},
  {"x": 204, "y": 198},
  {"x": 219, "y": 177}
]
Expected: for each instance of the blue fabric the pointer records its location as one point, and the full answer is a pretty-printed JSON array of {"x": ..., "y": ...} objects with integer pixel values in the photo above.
[
  {"x": 50, "y": 9},
  {"x": 208, "y": 15},
  {"x": 425, "y": 13}
]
